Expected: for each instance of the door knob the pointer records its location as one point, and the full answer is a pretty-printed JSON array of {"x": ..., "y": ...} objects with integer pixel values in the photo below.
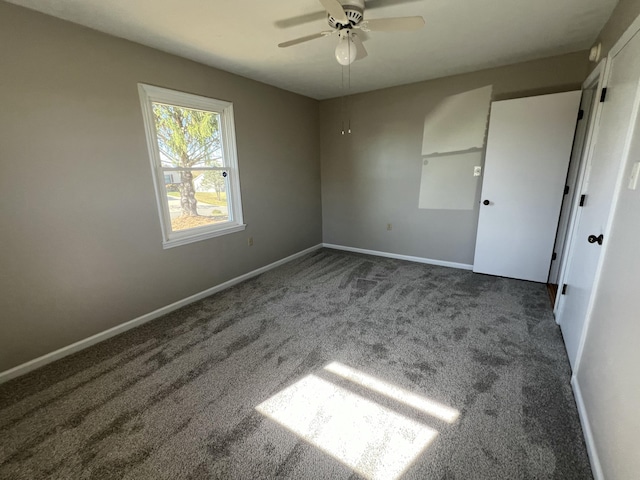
[
  {"x": 594, "y": 239},
  {"x": 486, "y": 202}
]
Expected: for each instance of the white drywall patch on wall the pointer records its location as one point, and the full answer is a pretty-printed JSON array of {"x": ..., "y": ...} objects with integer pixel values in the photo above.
[
  {"x": 457, "y": 123},
  {"x": 452, "y": 147},
  {"x": 448, "y": 182}
]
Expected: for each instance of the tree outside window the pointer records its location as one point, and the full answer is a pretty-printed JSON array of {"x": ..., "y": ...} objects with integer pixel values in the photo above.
[{"x": 192, "y": 145}]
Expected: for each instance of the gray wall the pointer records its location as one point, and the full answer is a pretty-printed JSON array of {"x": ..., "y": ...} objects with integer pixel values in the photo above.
[
  {"x": 81, "y": 239},
  {"x": 608, "y": 369},
  {"x": 372, "y": 177}
]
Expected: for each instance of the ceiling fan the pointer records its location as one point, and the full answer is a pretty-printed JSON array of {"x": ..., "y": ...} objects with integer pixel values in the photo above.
[{"x": 344, "y": 18}]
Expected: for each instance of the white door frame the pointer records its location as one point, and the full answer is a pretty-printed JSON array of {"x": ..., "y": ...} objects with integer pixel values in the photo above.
[
  {"x": 617, "y": 48},
  {"x": 596, "y": 78},
  {"x": 576, "y": 170}
]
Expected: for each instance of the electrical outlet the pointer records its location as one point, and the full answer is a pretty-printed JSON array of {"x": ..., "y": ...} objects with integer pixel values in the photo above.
[
  {"x": 477, "y": 171},
  {"x": 388, "y": 226},
  {"x": 250, "y": 241}
]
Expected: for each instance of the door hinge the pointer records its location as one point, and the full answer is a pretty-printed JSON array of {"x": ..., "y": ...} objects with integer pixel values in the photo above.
[
  {"x": 580, "y": 114},
  {"x": 564, "y": 289},
  {"x": 554, "y": 256},
  {"x": 566, "y": 189},
  {"x": 583, "y": 198},
  {"x": 603, "y": 94}
]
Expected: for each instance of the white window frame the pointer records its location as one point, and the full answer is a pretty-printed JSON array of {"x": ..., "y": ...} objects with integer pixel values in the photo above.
[{"x": 150, "y": 94}]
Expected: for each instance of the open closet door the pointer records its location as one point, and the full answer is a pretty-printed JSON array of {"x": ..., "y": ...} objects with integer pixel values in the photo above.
[
  {"x": 585, "y": 120},
  {"x": 528, "y": 151},
  {"x": 617, "y": 119}
]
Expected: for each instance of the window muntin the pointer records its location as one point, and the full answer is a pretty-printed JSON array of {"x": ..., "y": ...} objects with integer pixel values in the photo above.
[{"x": 191, "y": 143}]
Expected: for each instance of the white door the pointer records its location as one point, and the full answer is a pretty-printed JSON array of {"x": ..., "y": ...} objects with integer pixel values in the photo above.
[
  {"x": 591, "y": 88},
  {"x": 602, "y": 177},
  {"x": 587, "y": 105},
  {"x": 528, "y": 151}
]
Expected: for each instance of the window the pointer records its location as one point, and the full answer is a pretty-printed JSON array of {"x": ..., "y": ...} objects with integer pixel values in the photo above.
[{"x": 192, "y": 148}]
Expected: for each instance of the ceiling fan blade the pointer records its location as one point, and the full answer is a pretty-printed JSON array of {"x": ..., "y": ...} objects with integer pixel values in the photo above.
[
  {"x": 372, "y": 4},
  {"x": 361, "y": 51},
  {"x": 301, "y": 19},
  {"x": 304, "y": 39},
  {"x": 399, "y": 24},
  {"x": 334, "y": 8}
]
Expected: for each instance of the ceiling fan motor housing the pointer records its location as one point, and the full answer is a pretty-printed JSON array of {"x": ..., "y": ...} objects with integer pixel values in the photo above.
[{"x": 353, "y": 9}]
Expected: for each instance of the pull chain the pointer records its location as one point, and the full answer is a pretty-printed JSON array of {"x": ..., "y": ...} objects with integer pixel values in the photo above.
[
  {"x": 346, "y": 103},
  {"x": 349, "y": 90},
  {"x": 342, "y": 107}
]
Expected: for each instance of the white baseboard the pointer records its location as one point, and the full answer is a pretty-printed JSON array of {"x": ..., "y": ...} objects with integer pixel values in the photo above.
[
  {"x": 441, "y": 263},
  {"x": 123, "y": 327},
  {"x": 586, "y": 429}
]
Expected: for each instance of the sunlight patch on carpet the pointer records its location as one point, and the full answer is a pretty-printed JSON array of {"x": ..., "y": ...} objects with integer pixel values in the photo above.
[
  {"x": 398, "y": 394},
  {"x": 373, "y": 440}
]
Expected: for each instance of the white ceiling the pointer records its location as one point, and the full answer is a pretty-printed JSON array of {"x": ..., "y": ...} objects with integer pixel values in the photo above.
[{"x": 241, "y": 36}]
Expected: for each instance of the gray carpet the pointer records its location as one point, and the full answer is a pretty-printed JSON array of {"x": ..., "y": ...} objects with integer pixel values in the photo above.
[{"x": 336, "y": 365}]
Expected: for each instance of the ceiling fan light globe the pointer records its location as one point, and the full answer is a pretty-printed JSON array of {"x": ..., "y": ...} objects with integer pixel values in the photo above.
[{"x": 346, "y": 51}]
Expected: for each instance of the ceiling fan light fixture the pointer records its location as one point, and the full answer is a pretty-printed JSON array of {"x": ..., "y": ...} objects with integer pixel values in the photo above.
[{"x": 346, "y": 50}]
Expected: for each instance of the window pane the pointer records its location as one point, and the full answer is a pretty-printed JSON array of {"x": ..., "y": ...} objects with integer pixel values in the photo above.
[
  {"x": 197, "y": 198},
  {"x": 187, "y": 138},
  {"x": 194, "y": 163}
]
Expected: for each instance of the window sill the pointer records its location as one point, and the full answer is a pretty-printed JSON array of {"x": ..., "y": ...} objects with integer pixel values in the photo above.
[{"x": 196, "y": 237}]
